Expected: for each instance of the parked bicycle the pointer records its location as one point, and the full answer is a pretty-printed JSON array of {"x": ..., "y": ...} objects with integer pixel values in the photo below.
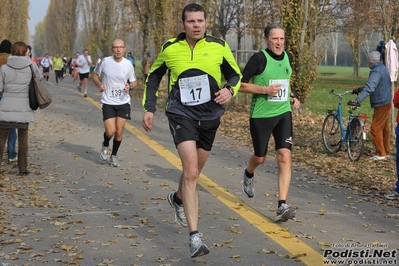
[{"x": 335, "y": 133}]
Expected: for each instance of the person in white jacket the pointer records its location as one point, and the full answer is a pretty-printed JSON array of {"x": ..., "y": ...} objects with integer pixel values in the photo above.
[{"x": 392, "y": 61}]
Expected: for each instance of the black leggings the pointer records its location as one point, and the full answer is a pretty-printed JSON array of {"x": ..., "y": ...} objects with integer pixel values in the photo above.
[{"x": 59, "y": 74}]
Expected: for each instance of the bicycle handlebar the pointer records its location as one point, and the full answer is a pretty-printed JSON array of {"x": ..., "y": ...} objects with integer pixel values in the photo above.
[{"x": 340, "y": 94}]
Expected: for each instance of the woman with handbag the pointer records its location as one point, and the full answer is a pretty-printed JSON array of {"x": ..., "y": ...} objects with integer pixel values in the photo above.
[{"x": 15, "y": 77}]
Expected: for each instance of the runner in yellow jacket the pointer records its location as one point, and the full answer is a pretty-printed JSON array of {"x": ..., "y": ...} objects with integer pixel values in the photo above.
[
  {"x": 196, "y": 62},
  {"x": 58, "y": 65}
]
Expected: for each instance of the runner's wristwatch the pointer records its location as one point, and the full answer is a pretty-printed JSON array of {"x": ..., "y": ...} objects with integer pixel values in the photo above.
[{"x": 230, "y": 90}]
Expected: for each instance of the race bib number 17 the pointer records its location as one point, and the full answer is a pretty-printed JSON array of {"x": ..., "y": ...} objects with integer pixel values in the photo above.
[{"x": 195, "y": 90}]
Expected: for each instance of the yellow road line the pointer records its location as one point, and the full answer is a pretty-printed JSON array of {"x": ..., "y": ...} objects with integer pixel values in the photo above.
[{"x": 289, "y": 242}]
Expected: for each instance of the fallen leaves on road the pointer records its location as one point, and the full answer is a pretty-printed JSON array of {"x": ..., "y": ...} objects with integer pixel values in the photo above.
[{"x": 368, "y": 178}]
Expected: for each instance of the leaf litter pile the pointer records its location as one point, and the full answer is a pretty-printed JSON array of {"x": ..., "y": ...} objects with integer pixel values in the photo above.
[
  {"x": 371, "y": 179},
  {"x": 368, "y": 178}
]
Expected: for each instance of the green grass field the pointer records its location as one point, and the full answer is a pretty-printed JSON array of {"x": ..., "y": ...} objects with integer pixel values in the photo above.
[
  {"x": 342, "y": 71},
  {"x": 320, "y": 100}
]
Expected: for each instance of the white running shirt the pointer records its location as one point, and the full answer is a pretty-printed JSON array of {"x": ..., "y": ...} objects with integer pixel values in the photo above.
[
  {"x": 85, "y": 65},
  {"x": 115, "y": 76},
  {"x": 46, "y": 62}
]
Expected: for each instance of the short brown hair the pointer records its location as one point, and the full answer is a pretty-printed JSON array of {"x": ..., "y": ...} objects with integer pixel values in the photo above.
[
  {"x": 192, "y": 8},
  {"x": 19, "y": 49}
]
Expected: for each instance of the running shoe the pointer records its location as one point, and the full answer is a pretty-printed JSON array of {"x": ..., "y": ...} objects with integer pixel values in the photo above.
[
  {"x": 79, "y": 88},
  {"x": 113, "y": 161},
  {"x": 85, "y": 95},
  {"x": 285, "y": 212},
  {"x": 378, "y": 158},
  {"x": 24, "y": 173},
  {"x": 248, "y": 186},
  {"x": 104, "y": 153},
  {"x": 394, "y": 195},
  {"x": 180, "y": 215},
  {"x": 197, "y": 248},
  {"x": 13, "y": 160}
]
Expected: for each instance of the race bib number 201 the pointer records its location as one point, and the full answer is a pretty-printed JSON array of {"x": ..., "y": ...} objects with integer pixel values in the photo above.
[
  {"x": 282, "y": 94},
  {"x": 195, "y": 90}
]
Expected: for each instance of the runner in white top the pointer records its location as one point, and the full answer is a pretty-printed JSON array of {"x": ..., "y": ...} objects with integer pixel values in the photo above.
[
  {"x": 46, "y": 64},
  {"x": 115, "y": 99},
  {"x": 83, "y": 64},
  {"x": 115, "y": 76}
]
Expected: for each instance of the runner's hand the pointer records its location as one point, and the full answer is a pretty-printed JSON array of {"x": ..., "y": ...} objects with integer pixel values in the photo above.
[
  {"x": 223, "y": 96},
  {"x": 102, "y": 88},
  {"x": 127, "y": 88},
  {"x": 295, "y": 103},
  {"x": 147, "y": 121},
  {"x": 273, "y": 89}
]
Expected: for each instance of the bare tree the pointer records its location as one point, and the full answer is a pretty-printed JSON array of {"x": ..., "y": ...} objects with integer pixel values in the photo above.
[
  {"x": 99, "y": 20},
  {"x": 302, "y": 20},
  {"x": 60, "y": 26},
  {"x": 156, "y": 21},
  {"x": 39, "y": 48},
  {"x": 141, "y": 13},
  {"x": 388, "y": 19},
  {"x": 321, "y": 47},
  {"x": 239, "y": 24},
  {"x": 335, "y": 42},
  {"x": 357, "y": 18},
  {"x": 226, "y": 14},
  {"x": 260, "y": 14},
  {"x": 14, "y": 20}
]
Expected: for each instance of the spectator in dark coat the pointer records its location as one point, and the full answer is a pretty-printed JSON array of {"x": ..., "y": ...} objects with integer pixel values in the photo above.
[{"x": 5, "y": 51}]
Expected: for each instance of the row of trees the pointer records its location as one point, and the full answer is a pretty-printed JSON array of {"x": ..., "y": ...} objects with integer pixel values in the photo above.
[
  {"x": 14, "y": 20},
  {"x": 146, "y": 24}
]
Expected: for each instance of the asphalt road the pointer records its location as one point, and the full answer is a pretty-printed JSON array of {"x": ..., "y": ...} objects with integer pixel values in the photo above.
[{"x": 74, "y": 210}]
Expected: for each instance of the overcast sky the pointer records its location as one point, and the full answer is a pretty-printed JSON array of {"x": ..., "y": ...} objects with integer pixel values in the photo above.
[{"x": 37, "y": 11}]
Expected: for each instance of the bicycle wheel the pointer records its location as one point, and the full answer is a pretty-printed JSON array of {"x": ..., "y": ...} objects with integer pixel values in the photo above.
[
  {"x": 355, "y": 140},
  {"x": 331, "y": 133}
]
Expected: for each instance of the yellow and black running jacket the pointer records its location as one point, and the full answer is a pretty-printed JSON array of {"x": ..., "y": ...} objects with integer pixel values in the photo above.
[{"x": 211, "y": 57}]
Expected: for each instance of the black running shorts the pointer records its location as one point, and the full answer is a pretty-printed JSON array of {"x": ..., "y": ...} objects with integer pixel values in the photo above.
[
  {"x": 110, "y": 111},
  {"x": 262, "y": 128},
  {"x": 83, "y": 76},
  {"x": 184, "y": 128}
]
